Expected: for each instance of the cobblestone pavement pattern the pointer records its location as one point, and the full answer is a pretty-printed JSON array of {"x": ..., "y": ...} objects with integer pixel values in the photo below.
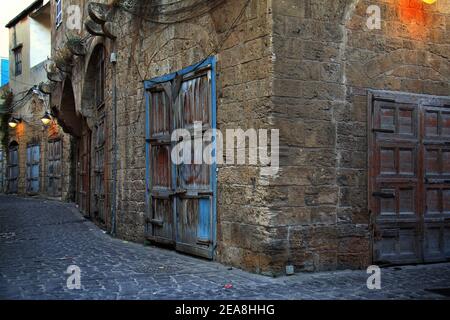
[{"x": 40, "y": 239}]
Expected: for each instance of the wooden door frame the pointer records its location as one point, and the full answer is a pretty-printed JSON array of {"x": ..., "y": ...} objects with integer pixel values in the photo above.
[
  {"x": 395, "y": 97},
  {"x": 208, "y": 63},
  {"x": 79, "y": 180},
  {"x": 9, "y": 166},
  {"x": 61, "y": 146},
  {"x": 32, "y": 145}
]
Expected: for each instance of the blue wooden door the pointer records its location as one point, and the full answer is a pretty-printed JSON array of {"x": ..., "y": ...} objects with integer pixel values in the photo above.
[
  {"x": 33, "y": 167},
  {"x": 181, "y": 198},
  {"x": 160, "y": 223},
  {"x": 194, "y": 206}
]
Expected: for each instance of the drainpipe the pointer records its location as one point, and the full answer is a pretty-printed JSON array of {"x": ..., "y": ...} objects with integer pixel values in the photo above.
[{"x": 114, "y": 138}]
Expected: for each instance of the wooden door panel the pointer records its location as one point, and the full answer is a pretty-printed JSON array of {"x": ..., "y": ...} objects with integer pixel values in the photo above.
[
  {"x": 160, "y": 225},
  {"x": 409, "y": 164},
  {"x": 54, "y": 168},
  {"x": 394, "y": 182},
  {"x": 13, "y": 170},
  {"x": 180, "y": 197},
  {"x": 84, "y": 170},
  {"x": 2, "y": 171},
  {"x": 194, "y": 214},
  {"x": 32, "y": 176}
]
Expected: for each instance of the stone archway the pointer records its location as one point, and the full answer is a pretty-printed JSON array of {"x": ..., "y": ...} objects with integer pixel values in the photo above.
[
  {"x": 94, "y": 108},
  {"x": 67, "y": 116},
  {"x": 75, "y": 124}
]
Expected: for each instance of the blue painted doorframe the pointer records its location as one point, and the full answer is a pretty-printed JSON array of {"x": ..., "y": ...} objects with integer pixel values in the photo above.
[{"x": 205, "y": 204}]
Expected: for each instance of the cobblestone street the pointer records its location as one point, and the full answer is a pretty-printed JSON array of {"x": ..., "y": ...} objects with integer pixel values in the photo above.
[{"x": 39, "y": 239}]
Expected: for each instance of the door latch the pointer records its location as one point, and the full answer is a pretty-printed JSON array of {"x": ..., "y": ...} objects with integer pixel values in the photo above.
[{"x": 385, "y": 195}]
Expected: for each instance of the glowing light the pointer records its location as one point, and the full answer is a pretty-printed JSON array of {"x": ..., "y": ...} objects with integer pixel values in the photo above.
[
  {"x": 429, "y": 1},
  {"x": 46, "y": 119},
  {"x": 13, "y": 122}
]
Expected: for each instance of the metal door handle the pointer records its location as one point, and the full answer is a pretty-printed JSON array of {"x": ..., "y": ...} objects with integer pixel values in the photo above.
[{"x": 380, "y": 130}]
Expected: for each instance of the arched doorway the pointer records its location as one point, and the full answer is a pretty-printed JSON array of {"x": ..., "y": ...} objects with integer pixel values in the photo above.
[
  {"x": 76, "y": 125},
  {"x": 83, "y": 169},
  {"x": 93, "y": 105}
]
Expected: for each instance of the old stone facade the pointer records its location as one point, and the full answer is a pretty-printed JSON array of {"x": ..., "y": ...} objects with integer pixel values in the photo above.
[
  {"x": 306, "y": 68},
  {"x": 36, "y": 155}
]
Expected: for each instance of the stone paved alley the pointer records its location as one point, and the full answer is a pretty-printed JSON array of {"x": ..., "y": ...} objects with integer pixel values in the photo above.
[{"x": 39, "y": 239}]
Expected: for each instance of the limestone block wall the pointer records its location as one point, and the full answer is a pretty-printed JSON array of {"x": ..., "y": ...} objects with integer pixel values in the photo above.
[
  {"x": 32, "y": 131},
  {"x": 326, "y": 60},
  {"x": 303, "y": 67}
]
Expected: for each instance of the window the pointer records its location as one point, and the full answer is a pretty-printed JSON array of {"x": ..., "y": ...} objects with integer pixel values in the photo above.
[
  {"x": 58, "y": 12},
  {"x": 18, "y": 61}
]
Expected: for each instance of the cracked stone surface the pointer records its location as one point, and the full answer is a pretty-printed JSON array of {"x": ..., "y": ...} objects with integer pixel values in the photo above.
[{"x": 40, "y": 239}]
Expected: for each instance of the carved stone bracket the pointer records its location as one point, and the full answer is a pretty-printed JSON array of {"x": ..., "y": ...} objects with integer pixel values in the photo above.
[
  {"x": 100, "y": 13},
  {"x": 77, "y": 48},
  {"x": 47, "y": 87},
  {"x": 53, "y": 73},
  {"x": 64, "y": 67},
  {"x": 55, "y": 76},
  {"x": 100, "y": 21},
  {"x": 93, "y": 28}
]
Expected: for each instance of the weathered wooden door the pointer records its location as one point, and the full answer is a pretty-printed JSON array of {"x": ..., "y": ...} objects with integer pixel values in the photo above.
[
  {"x": 13, "y": 169},
  {"x": 409, "y": 171},
  {"x": 195, "y": 205},
  {"x": 54, "y": 173},
  {"x": 435, "y": 150},
  {"x": 33, "y": 167},
  {"x": 84, "y": 169},
  {"x": 2, "y": 171},
  {"x": 181, "y": 198},
  {"x": 99, "y": 171},
  {"x": 161, "y": 191}
]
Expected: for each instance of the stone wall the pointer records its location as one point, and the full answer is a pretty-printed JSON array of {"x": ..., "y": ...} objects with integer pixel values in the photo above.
[
  {"x": 148, "y": 50},
  {"x": 326, "y": 60},
  {"x": 145, "y": 50},
  {"x": 303, "y": 67},
  {"x": 31, "y": 130}
]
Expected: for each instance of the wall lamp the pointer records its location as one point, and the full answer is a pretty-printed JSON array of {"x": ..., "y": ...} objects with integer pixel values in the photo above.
[
  {"x": 46, "y": 119},
  {"x": 13, "y": 122},
  {"x": 429, "y": 1}
]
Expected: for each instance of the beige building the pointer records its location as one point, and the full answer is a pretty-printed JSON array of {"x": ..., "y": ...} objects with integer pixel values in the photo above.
[{"x": 38, "y": 151}]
